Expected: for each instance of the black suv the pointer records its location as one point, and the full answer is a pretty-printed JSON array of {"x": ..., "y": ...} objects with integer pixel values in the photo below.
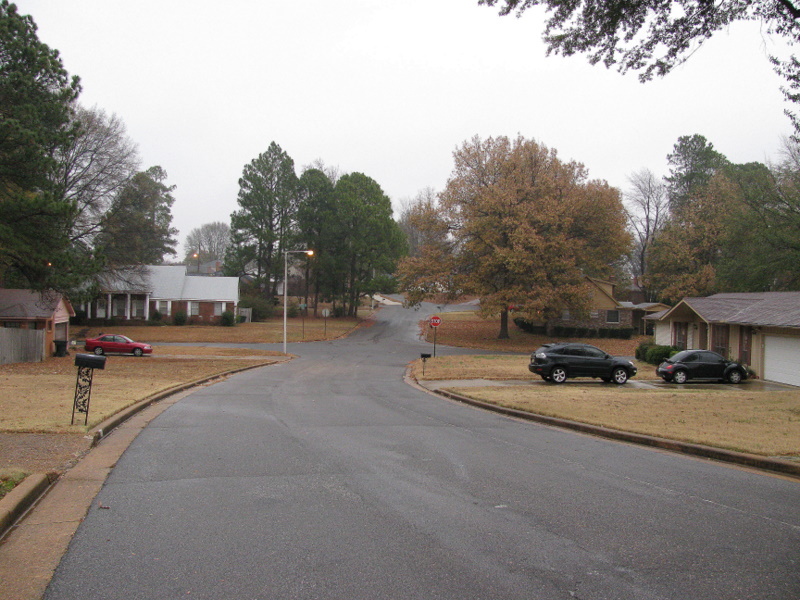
[{"x": 556, "y": 362}]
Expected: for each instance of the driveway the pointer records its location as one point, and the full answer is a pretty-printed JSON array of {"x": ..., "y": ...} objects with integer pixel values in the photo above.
[{"x": 328, "y": 477}]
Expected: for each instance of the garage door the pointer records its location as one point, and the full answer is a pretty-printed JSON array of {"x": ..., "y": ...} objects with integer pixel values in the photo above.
[{"x": 782, "y": 359}]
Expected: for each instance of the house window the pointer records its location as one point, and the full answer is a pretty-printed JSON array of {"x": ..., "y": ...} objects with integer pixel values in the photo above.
[
  {"x": 218, "y": 309},
  {"x": 101, "y": 309},
  {"x": 163, "y": 307},
  {"x": 565, "y": 315},
  {"x": 612, "y": 316},
  {"x": 720, "y": 336},
  {"x": 194, "y": 309},
  {"x": 12, "y": 324}
]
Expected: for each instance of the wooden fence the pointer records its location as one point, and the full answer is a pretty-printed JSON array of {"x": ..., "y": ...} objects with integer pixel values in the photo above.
[{"x": 21, "y": 345}]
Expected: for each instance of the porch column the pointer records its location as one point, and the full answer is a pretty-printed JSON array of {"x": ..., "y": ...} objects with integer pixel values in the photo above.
[
  {"x": 109, "y": 312},
  {"x": 128, "y": 306},
  {"x": 147, "y": 307}
]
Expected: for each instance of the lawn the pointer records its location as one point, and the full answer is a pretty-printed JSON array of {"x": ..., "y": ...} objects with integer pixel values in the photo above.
[
  {"x": 298, "y": 329},
  {"x": 742, "y": 418}
]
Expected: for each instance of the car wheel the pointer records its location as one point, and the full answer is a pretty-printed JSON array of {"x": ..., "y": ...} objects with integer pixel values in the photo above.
[
  {"x": 620, "y": 375},
  {"x": 680, "y": 376},
  {"x": 98, "y": 351},
  {"x": 558, "y": 375},
  {"x": 734, "y": 376},
  {"x": 137, "y": 351}
]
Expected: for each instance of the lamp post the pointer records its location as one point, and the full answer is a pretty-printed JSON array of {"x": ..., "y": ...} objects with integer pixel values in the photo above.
[{"x": 286, "y": 254}]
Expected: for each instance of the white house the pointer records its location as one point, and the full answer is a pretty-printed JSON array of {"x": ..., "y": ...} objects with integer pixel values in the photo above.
[{"x": 137, "y": 293}]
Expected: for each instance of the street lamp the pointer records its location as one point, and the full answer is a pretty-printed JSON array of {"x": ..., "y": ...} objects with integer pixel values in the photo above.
[{"x": 286, "y": 254}]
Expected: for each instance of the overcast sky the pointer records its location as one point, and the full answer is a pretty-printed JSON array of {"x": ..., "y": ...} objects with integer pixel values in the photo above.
[{"x": 388, "y": 89}]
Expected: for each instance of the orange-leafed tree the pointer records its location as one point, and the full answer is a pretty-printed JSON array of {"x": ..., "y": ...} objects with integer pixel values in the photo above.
[{"x": 517, "y": 226}]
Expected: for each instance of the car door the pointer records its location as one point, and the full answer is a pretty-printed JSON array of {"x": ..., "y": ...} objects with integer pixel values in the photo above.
[
  {"x": 710, "y": 365},
  {"x": 577, "y": 361},
  {"x": 598, "y": 363}
]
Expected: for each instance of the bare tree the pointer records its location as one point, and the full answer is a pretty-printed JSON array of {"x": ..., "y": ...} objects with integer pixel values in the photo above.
[
  {"x": 94, "y": 169},
  {"x": 411, "y": 210},
  {"x": 647, "y": 207},
  {"x": 208, "y": 242}
]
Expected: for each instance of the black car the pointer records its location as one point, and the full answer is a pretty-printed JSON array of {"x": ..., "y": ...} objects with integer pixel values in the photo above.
[
  {"x": 700, "y": 364},
  {"x": 556, "y": 362}
]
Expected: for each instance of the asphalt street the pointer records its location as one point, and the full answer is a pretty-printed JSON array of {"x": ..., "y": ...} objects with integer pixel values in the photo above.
[{"x": 330, "y": 477}]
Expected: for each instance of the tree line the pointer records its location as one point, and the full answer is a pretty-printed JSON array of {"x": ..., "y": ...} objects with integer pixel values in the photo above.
[
  {"x": 346, "y": 220},
  {"x": 73, "y": 202},
  {"x": 714, "y": 226}
]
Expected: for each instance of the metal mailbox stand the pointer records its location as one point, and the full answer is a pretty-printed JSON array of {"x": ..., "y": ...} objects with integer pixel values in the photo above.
[{"x": 86, "y": 364}]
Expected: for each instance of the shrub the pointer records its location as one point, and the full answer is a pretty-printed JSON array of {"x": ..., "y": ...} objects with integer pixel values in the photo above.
[
  {"x": 642, "y": 348},
  {"x": 179, "y": 318},
  {"x": 657, "y": 354},
  {"x": 292, "y": 310},
  {"x": 528, "y": 327},
  {"x": 262, "y": 308},
  {"x": 155, "y": 316},
  {"x": 228, "y": 319}
]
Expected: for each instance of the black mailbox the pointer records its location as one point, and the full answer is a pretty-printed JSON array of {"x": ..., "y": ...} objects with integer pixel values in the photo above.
[
  {"x": 424, "y": 356},
  {"x": 90, "y": 360}
]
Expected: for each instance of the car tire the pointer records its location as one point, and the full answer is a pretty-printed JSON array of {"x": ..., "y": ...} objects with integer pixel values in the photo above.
[
  {"x": 98, "y": 351},
  {"x": 680, "y": 376},
  {"x": 558, "y": 375},
  {"x": 619, "y": 375},
  {"x": 735, "y": 376},
  {"x": 137, "y": 352}
]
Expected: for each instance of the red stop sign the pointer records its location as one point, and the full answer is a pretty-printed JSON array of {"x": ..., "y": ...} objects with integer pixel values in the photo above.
[{"x": 436, "y": 321}]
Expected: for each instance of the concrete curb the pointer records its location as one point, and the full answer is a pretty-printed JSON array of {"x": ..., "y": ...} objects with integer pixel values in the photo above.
[
  {"x": 764, "y": 463},
  {"x": 19, "y": 500}
]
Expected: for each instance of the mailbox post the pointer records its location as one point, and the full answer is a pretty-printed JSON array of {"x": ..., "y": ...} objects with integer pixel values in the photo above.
[
  {"x": 86, "y": 364},
  {"x": 424, "y": 356}
]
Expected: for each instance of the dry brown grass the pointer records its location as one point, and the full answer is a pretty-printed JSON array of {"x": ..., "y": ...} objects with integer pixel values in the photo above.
[
  {"x": 743, "y": 419},
  {"x": 494, "y": 367},
  {"x": 38, "y": 397},
  {"x": 468, "y": 330},
  {"x": 297, "y": 330},
  {"x": 759, "y": 422}
]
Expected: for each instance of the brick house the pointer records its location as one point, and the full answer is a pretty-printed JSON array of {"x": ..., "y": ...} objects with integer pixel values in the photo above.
[{"x": 138, "y": 293}]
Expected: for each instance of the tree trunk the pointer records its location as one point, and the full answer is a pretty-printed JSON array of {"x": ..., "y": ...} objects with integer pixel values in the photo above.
[{"x": 503, "y": 325}]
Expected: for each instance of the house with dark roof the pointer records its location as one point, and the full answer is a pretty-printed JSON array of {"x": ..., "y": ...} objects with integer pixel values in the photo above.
[
  {"x": 606, "y": 312},
  {"x": 36, "y": 315},
  {"x": 760, "y": 329}
]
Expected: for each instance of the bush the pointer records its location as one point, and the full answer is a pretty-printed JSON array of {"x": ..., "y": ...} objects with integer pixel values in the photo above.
[
  {"x": 528, "y": 327},
  {"x": 179, "y": 318},
  {"x": 292, "y": 310},
  {"x": 642, "y": 348},
  {"x": 228, "y": 319},
  {"x": 655, "y": 355},
  {"x": 263, "y": 309},
  {"x": 155, "y": 316}
]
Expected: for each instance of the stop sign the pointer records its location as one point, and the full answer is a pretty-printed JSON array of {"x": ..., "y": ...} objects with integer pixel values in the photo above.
[{"x": 436, "y": 321}]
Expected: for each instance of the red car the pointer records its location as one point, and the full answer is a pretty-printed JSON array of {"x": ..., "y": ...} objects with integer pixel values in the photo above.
[{"x": 108, "y": 342}]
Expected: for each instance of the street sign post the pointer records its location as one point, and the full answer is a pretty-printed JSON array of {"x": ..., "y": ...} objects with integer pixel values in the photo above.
[{"x": 435, "y": 321}]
